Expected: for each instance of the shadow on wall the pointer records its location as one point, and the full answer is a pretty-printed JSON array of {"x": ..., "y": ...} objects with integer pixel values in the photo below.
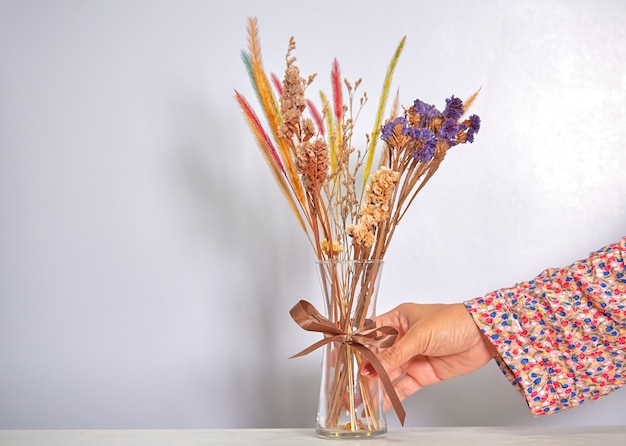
[{"x": 260, "y": 257}]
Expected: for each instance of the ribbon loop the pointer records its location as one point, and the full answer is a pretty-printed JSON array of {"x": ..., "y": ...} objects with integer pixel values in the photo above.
[{"x": 364, "y": 338}]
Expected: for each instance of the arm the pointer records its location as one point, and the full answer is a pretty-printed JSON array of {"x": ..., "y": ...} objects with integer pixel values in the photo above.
[{"x": 561, "y": 338}]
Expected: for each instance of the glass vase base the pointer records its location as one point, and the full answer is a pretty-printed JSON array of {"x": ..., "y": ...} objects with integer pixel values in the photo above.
[{"x": 347, "y": 433}]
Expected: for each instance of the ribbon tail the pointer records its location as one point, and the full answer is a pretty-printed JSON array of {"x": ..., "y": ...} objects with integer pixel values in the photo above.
[
  {"x": 387, "y": 384},
  {"x": 314, "y": 346}
]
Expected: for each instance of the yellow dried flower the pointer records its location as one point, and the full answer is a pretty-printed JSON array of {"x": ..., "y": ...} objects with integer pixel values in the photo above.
[{"x": 331, "y": 249}]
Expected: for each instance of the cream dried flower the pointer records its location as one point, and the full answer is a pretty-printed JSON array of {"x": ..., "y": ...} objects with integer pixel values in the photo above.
[
  {"x": 380, "y": 188},
  {"x": 361, "y": 235},
  {"x": 378, "y": 194}
]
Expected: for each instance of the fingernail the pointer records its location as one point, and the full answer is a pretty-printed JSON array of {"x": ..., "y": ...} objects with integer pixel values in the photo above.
[{"x": 368, "y": 370}]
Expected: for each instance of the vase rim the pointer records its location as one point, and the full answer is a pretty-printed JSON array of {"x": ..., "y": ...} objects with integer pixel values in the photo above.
[{"x": 370, "y": 261}]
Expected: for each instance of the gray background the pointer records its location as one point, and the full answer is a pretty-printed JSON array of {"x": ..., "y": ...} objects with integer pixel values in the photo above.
[{"x": 148, "y": 262}]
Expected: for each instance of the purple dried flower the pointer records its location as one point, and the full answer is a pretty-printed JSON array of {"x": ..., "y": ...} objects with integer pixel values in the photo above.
[
  {"x": 427, "y": 136},
  {"x": 473, "y": 127},
  {"x": 427, "y": 152},
  {"x": 454, "y": 108},
  {"x": 449, "y": 130},
  {"x": 426, "y": 126},
  {"x": 387, "y": 129},
  {"x": 425, "y": 111},
  {"x": 474, "y": 123},
  {"x": 413, "y": 132}
]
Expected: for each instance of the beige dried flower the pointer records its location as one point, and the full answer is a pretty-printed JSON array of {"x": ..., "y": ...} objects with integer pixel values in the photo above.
[
  {"x": 378, "y": 194},
  {"x": 292, "y": 99},
  {"x": 378, "y": 213},
  {"x": 361, "y": 235},
  {"x": 308, "y": 128},
  {"x": 380, "y": 188},
  {"x": 312, "y": 163}
]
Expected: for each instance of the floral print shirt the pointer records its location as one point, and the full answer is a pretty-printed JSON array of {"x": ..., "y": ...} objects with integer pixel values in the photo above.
[{"x": 561, "y": 337}]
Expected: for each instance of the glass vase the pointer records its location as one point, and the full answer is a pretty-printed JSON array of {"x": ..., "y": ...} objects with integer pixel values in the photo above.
[{"x": 350, "y": 404}]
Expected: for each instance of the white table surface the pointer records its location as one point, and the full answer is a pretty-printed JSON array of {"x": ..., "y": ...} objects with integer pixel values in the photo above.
[{"x": 484, "y": 436}]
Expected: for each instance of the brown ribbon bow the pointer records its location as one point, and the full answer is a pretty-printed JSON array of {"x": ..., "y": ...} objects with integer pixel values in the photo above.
[{"x": 307, "y": 317}]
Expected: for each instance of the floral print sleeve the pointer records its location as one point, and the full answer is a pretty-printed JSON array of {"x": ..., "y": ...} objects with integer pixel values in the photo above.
[{"x": 561, "y": 338}]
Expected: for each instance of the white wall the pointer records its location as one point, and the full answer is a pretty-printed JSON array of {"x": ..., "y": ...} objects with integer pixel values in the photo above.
[{"x": 148, "y": 262}]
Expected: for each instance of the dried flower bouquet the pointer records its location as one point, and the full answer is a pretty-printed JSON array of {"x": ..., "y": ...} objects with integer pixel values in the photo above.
[{"x": 348, "y": 201}]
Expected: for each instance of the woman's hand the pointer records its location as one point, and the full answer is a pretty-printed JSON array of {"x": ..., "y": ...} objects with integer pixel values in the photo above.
[{"x": 435, "y": 342}]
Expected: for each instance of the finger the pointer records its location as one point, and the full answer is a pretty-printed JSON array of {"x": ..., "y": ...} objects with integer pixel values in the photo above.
[
  {"x": 393, "y": 358},
  {"x": 368, "y": 371},
  {"x": 405, "y": 386},
  {"x": 394, "y": 318},
  {"x": 387, "y": 319}
]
